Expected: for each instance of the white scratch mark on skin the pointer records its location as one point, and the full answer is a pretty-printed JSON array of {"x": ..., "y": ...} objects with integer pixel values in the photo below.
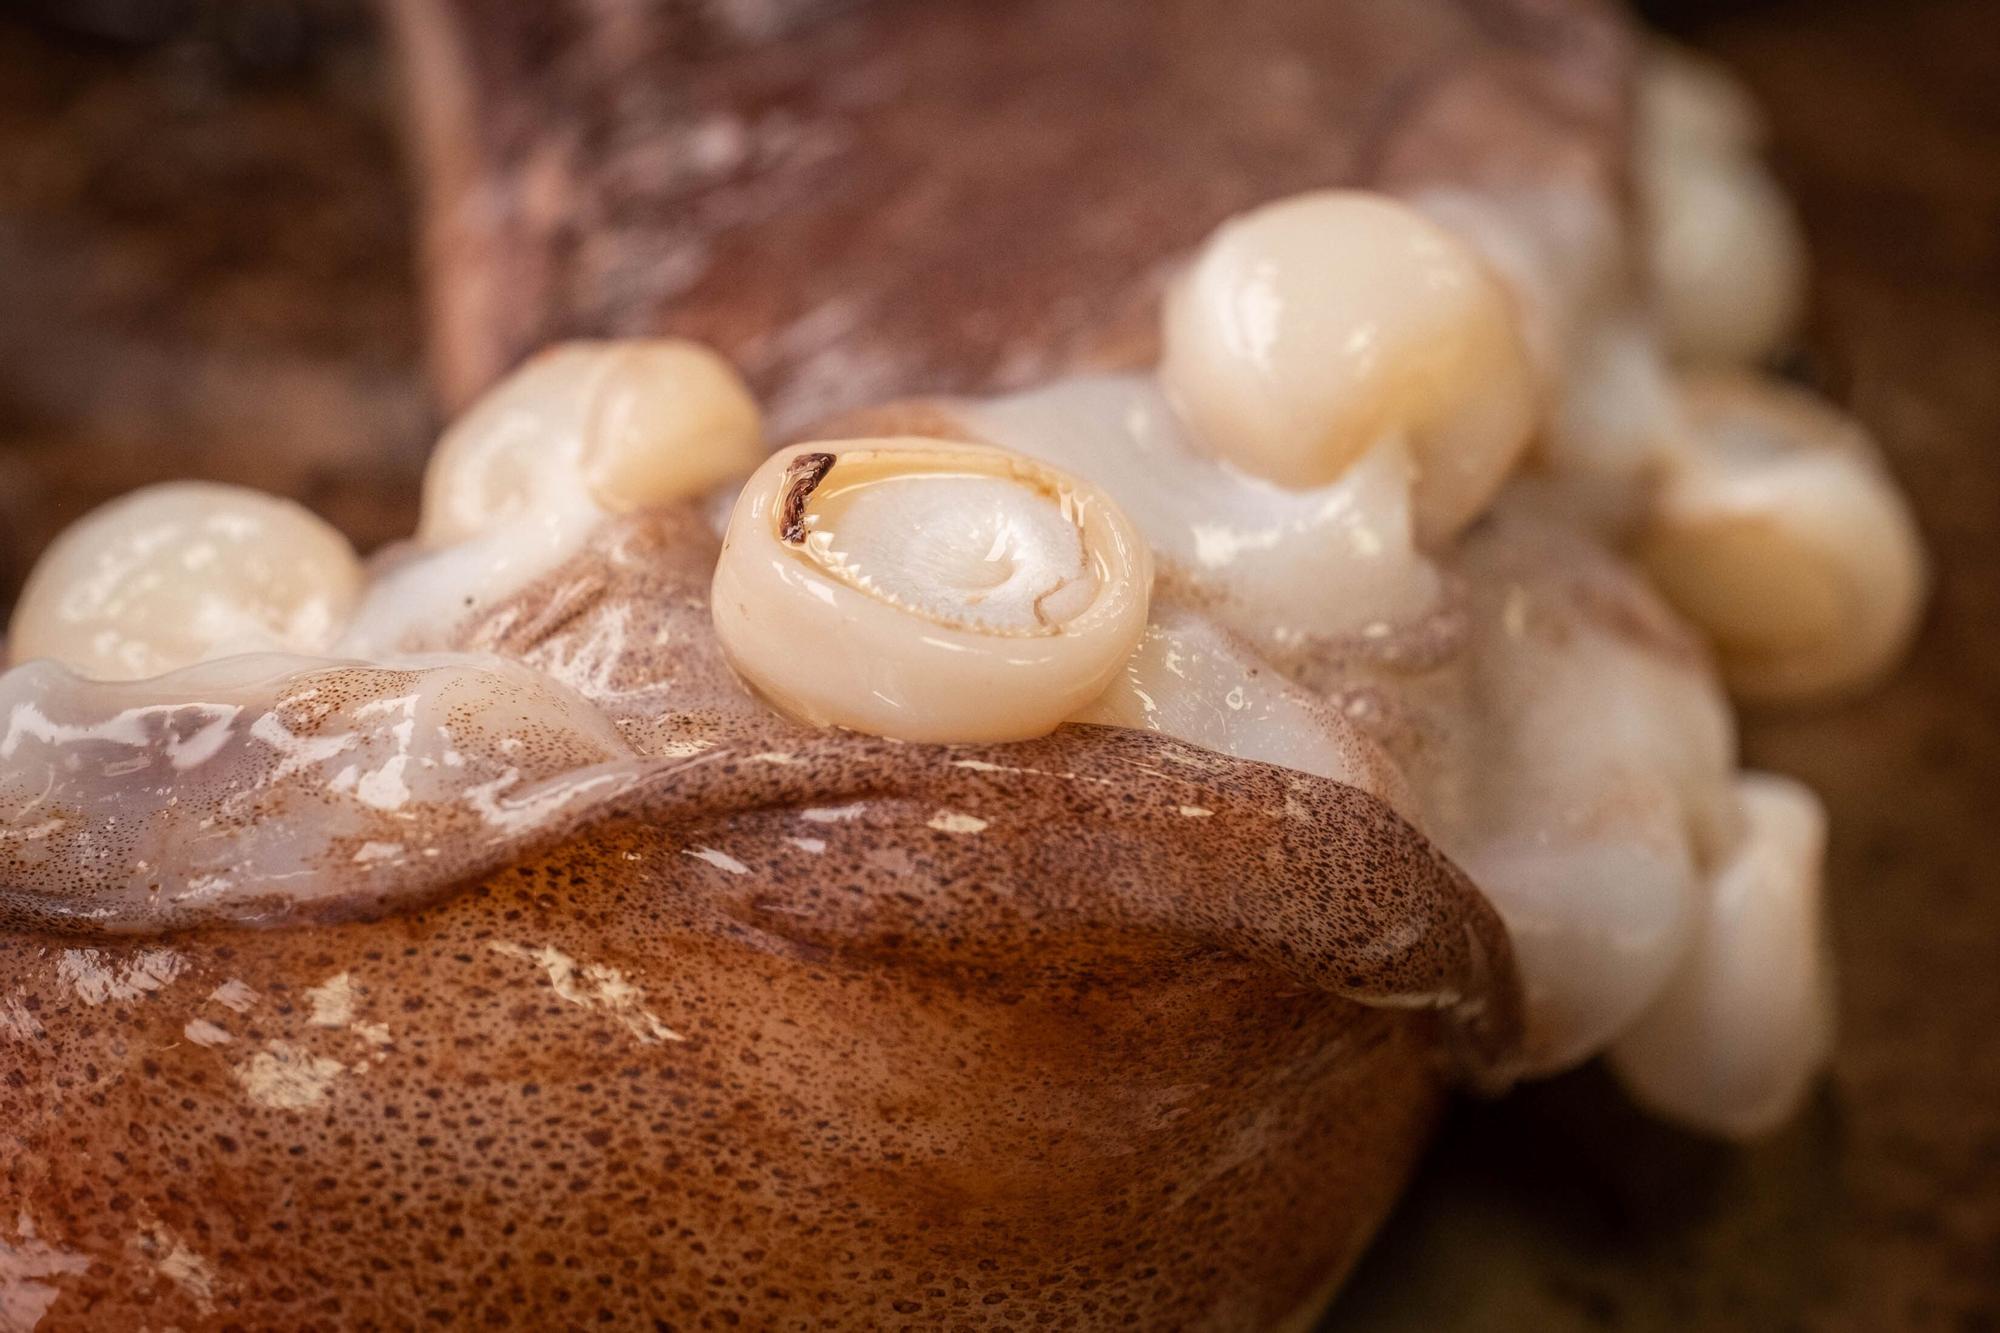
[
  {"x": 285, "y": 1077},
  {"x": 25, "y": 1265},
  {"x": 235, "y": 996},
  {"x": 204, "y": 1033},
  {"x": 950, "y": 821},
  {"x": 1196, "y": 811},
  {"x": 175, "y": 1260},
  {"x": 191, "y": 1273},
  {"x": 981, "y": 766},
  {"x": 834, "y": 814},
  {"x": 17, "y": 1022},
  {"x": 96, "y": 980},
  {"x": 813, "y": 845},
  {"x": 332, "y": 1002},
  {"x": 720, "y": 860},
  {"x": 775, "y": 757},
  {"x": 1196, "y": 759},
  {"x": 593, "y": 986}
]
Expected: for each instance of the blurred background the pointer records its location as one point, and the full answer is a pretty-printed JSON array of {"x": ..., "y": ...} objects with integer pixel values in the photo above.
[{"x": 206, "y": 270}]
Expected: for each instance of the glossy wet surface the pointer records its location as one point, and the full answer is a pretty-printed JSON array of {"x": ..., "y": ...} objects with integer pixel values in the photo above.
[{"x": 1559, "y": 1208}]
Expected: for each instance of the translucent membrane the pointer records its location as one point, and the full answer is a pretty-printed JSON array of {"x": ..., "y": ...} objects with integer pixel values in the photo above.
[
  {"x": 1195, "y": 681},
  {"x": 583, "y": 431},
  {"x": 1279, "y": 566},
  {"x": 266, "y": 786},
  {"x": 1574, "y": 755}
]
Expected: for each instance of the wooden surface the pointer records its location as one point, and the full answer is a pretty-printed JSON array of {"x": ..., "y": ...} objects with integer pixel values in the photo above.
[{"x": 204, "y": 271}]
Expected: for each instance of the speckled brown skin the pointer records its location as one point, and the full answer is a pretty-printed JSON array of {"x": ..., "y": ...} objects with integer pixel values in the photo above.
[
  {"x": 803, "y": 1030},
  {"x": 1093, "y": 1064}
]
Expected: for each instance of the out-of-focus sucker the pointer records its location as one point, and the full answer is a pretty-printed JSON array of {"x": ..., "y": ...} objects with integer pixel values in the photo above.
[
  {"x": 1723, "y": 248},
  {"x": 618, "y": 425},
  {"x": 1317, "y": 328},
  {"x": 179, "y": 573},
  {"x": 1780, "y": 534},
  {"x": 1733, "y": 1042}
]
